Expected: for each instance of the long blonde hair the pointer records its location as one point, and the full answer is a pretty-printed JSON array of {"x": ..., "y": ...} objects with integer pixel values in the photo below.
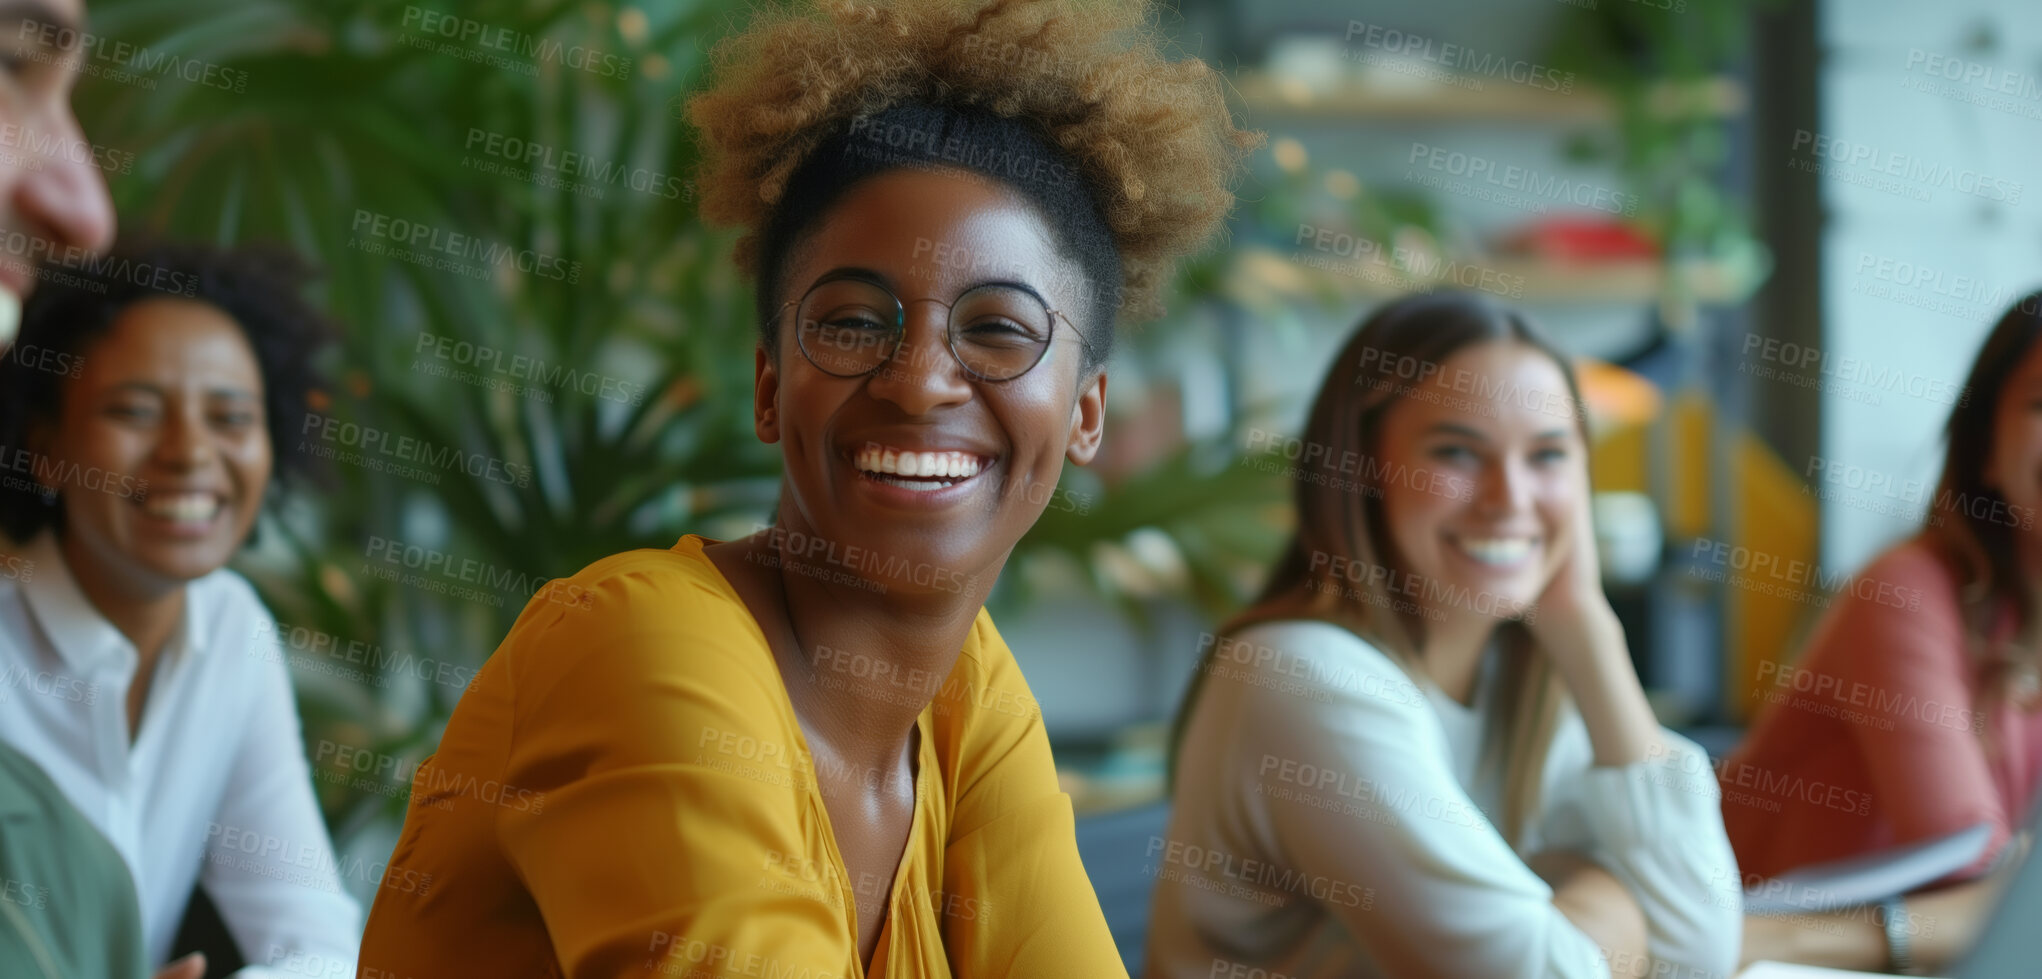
[{"x": 1337, "y": 522}]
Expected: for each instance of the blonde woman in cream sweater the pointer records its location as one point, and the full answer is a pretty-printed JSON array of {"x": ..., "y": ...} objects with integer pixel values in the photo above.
[{"x": 1424, "y": 751}]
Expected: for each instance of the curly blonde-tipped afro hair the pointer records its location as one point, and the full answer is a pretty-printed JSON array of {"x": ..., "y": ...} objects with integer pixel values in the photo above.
[{"x": 1152, "y": 138}]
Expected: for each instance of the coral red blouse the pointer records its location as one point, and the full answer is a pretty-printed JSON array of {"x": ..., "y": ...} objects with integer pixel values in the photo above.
[{"x": 1874, "y": 738}]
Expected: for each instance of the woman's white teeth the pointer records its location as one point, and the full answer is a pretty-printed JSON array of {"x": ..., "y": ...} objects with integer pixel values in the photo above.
[
  {"x": 1496, "y": 550},
  {"x": 941, "y": 465},
  {"x": 183, "y": 507},
  {"x": 918, "y": 485}
]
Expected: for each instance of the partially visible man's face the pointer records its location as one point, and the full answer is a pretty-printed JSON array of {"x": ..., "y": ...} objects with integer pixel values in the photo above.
[{"x": 52, "y": 200}]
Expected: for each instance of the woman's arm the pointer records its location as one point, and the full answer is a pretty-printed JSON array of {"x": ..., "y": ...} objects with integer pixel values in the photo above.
[
  {"x": 1579, "y": 633},
  {"x": 1647, "y": 810},
  {"x": 1896, "y": 653},
  {"x": 1942, "y": 926},
  {"x": 283, "y": 903},
  {"x": 1656, "y": 826},
  {"x": 1598, "y": 674},
  {"x": 1945, "y": 923},
  {"x": 1899, "y": 647},
  {"x": 1598, "y": 904},
  {"x": 1355, "y": 782},
  {"x": 1017, "y": 901},
  {"x": 651, "y": 794}
]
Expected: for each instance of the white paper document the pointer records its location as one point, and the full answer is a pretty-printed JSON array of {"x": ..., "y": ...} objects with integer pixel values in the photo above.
[{"x": 1869, "y": 878}]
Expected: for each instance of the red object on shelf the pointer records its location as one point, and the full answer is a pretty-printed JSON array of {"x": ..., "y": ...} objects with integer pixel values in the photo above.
[{"x": 1579, "y": 239}]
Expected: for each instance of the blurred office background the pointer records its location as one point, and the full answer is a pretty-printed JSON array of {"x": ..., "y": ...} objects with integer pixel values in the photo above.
[{"x": 1690, "y": 195}]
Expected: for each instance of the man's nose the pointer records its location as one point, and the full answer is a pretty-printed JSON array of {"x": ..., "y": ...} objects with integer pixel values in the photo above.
[{"x": 65, "y": 198}]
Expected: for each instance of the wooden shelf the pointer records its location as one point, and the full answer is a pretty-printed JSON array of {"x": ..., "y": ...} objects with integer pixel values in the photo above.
[
  {"x": 1270, "y": 96},
  {"x": 1265, "y": 272}
]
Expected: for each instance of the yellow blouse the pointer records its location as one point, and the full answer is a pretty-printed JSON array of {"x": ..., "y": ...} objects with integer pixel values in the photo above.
[{"x": 624, "y": 790}]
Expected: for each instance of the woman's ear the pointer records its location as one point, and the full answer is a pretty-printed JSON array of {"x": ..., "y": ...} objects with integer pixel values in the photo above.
[
  {"x": 1088, "y": 420},
  {"x": 765, "y": 396}
]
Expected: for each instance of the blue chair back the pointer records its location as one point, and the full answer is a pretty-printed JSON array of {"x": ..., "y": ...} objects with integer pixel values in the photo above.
[{"x": 1115, "y": 849}]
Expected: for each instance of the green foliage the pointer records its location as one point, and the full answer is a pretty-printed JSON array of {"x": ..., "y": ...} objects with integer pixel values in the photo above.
[
  {"x": 344, "y": 120},
  {"x": 1664, "y": 67}
]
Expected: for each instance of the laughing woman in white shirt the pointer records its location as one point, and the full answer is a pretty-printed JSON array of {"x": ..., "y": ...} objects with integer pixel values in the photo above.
[
  {"x": 139, "y": 429},
  {"x": 1423, "y": 751}
]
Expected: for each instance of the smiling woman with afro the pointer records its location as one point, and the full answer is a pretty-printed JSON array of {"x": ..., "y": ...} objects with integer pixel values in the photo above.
[{"x": 807, "y": 752}]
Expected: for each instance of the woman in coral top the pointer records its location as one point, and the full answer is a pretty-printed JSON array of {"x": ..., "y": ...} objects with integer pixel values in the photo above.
[
  {"x": 807, "y": 752},
  {"x": 1914, "y": 713}
]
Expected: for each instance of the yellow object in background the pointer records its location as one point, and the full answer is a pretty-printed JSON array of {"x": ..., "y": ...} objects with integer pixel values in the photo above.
[
  {"x": 1617, "y": 398},
  {"x": 1772, "y": 512},
  {"x": 1777, "y": 515}
]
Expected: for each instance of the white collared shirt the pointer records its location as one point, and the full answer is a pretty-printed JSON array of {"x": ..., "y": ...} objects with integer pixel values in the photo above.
[{"x": 215, "y": 788}]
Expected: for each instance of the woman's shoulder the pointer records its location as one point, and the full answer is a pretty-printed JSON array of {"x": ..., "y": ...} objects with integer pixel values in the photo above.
[
  {"x": 226, "y": 590},
  {"x": 1310, "y": 665},
  {"x": 226, "y": 610},
  {"x": 1917, "y": 563},
  {"x": 640, "y": 614},
  {"x": 986, "y": 682},
  {"x": 1283, "y": 645},
  {"x": 1912, "y": 589},
  {"x": 685, "y": 566},
  {"x": 645, "y": 586}
]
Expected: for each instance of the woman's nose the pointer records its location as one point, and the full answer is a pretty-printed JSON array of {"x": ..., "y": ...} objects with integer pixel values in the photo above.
[{"x": 923, "y": 375}]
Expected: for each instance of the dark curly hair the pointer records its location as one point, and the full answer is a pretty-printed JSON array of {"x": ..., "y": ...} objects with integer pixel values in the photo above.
[
  {"x": 1152, "y": 138},
  {"x": 258, "y": 287}
]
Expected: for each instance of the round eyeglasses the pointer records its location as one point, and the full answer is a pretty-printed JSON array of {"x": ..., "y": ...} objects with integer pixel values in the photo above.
[{"x": 849, "y": 325}]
